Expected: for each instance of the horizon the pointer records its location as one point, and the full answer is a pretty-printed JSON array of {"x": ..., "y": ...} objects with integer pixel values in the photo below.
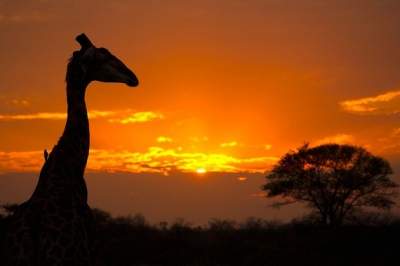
[{"x": 225, "y": 90}]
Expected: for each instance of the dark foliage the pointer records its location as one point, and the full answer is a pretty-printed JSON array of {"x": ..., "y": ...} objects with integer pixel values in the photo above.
[
  {"x": 368, "y": 239},
  {"x": 334, "y": 180}
]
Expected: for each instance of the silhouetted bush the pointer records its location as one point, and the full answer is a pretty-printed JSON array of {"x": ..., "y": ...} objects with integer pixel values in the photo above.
[
  {"x": 132, "y": 241},
  {"x": 365, "y": 239},
  {"x": 218, "y": 225}
]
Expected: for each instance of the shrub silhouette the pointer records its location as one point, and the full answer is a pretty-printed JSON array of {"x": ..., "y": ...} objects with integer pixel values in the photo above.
[{"x": 132, "y": 240}]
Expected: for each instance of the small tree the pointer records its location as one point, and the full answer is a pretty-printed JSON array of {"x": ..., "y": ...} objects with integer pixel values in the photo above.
[{"x": 334, "y": 180}]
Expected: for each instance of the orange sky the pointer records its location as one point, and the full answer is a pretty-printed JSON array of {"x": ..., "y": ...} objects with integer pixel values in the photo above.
[{"x": 227, "y": 87}]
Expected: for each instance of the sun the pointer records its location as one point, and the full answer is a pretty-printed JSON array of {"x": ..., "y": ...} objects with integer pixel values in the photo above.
[{"x": 201, "y": 170}]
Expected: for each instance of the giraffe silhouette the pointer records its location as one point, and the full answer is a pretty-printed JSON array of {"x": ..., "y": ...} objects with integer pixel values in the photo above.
[{"x": 54, "y": 226}]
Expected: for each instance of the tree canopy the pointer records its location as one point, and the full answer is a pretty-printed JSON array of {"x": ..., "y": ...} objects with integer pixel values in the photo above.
[{"x": 334, "y": 180}]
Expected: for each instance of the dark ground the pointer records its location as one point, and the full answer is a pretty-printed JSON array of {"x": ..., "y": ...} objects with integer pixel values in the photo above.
[{"x": 369, "y": 240}]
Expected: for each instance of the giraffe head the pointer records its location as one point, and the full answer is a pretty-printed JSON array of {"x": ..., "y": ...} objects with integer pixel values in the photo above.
[{"x": 98, "y": 64}]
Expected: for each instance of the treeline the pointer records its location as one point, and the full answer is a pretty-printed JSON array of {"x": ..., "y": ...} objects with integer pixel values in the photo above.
[{"x": 364, "y": 239}]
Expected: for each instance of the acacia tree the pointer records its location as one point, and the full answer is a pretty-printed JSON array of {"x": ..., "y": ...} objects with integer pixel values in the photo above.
[{"x": 333, "y": 180}]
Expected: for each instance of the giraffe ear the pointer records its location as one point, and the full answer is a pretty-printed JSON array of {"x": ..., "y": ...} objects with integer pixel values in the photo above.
[{"x": 84, "y": 41}]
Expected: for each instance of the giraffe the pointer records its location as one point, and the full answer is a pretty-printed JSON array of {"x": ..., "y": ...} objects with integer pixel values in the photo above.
[{"x": 54, "y": 226}]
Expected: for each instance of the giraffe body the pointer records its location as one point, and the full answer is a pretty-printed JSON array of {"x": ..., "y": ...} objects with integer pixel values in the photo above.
[{"x": 54, "y": 227}]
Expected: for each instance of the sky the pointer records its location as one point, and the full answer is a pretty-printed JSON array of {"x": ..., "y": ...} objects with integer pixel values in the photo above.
[{"x": 227, "y": 88}]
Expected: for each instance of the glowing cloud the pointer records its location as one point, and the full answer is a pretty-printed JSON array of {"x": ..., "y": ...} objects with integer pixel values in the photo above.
[
  {"x": 155, "y": 159},
  {"x": 20, "y": 102},
  {"x": 35, "y": 116},
  {"x": 101, "y": 114},
  {"x": 53, "y": 116},
  {"x": 229, "y": 144},
  {"x": 123, "y": 117},
  {"x": 387, "y": 103},
  {"x": 139, "y": 117},
  {"x": 390, "y": 144},
  {"x": 339, "y": 139},
  {"x": 163, "y": 139},
  {"x": 396, "y": 132},
  {"x": 25, "y": 161},
  {"x": 267, "y": 147}
]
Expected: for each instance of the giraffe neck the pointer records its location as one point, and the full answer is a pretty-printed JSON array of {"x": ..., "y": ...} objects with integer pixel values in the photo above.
[
  {"x": 77, "y": 127},
  {"x": 76, "y": 136},
  {"x": 62, "y": 173}
]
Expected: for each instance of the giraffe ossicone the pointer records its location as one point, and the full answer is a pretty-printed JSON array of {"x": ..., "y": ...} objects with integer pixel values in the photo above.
[{"x": 84, "y": 41}]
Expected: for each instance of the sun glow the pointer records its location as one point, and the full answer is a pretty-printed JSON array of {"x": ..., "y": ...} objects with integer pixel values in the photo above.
[
  {"x": 201, "y": 170},
  {"x": 242, "y": 178}
]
